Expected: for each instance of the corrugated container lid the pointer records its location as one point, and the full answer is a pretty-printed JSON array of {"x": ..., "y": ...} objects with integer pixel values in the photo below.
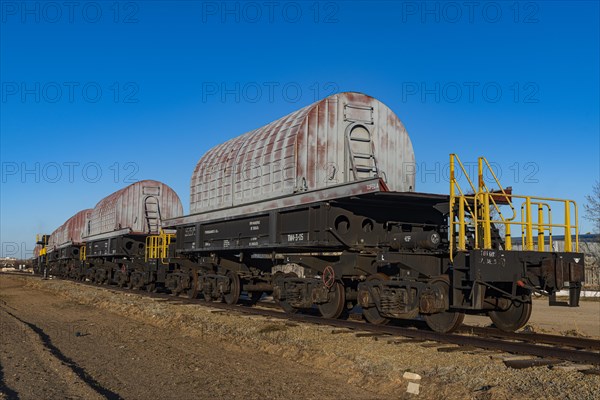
[
  {"x": 342, "y": 138},
  {"x": 138, "y": 207}
]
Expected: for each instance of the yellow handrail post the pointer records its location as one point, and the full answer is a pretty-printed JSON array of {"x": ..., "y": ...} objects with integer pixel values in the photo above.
[
  {"x": 485, "y": 213},
  {"x": 452, "y": 200},
  {"x": 523, "y": 242},
  {"x": 487, "y": 226},
  {"x": 528, "y": 224},
  {"x": 461, "y": 224},
  {"x": 165, "y": 246},
  {"x": 480, "y": 182},
  {"x": 540, "y": 227},
  {"x": 507, "y": 236},
  {"x": 475, "y": 218},
  {"x": 550, "y": 228},
  {"x": 568, "y": 243},
  {"x": 576, "y": 226}
]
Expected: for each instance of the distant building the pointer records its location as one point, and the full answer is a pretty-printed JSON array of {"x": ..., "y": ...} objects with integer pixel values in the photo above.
[{"x": 7, "y": 261}]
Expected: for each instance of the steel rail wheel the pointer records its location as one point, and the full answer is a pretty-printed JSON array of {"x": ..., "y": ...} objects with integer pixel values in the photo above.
[
  {"x": 192, "y": 292},
  {"x": 372, "y": 314},
  {"x": 514, "y": 317},
  {"x": 446, "y": 321},
  {"x": 336, "y": 302},
  {"x": 286, "y": 306},
  {"x": 234, "y": 288}
]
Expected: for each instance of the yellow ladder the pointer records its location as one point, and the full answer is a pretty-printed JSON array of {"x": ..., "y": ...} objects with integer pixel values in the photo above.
[
  {"x": 474, "y": 211},
  {"x": 157, "y": 246}
]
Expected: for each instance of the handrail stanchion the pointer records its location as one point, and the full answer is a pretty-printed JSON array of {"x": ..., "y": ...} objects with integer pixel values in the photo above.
[
  {"x": 540, "y": 228},
  {"x": 461, "y": 225},
  {"x": 568, "y": 243},
  {"x": 528, "y": 224},
  {"x": 452, "y": 201}
]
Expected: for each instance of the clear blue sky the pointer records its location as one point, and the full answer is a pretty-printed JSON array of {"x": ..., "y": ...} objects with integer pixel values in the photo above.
[{"x": 142, "y": 89}]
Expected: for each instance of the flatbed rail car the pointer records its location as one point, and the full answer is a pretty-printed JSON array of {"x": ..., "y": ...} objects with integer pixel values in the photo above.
[
  {"x": 319, "y": 209},
  {"x": 106, "y": 244},
  {"x": 64, "y": 249},
  {"x": 395, "y": 254},
  {"x": 117, "y": 230}
]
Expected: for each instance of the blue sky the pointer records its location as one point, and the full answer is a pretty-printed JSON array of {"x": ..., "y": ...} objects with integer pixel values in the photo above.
[{"x": 99, "y": 93}]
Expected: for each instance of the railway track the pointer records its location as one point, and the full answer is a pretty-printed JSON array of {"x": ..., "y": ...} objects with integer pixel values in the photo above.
[
  {"x": 552, "y": 348},
  {"x": 549, "y": 349},
  {"x": 541, "y": 338}
]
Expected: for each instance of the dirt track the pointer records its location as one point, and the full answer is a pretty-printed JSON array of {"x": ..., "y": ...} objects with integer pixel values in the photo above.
[
  {"x": 61, "y": 340},
  {"x": 51, "y": 348}
]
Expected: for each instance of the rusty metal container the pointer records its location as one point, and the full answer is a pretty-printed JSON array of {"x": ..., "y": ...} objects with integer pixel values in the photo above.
[
  {"x": 343, "y": 138},
  {"x": 70, "y": 232},
  {"x": 53, "y": 239},
  {"x": 36, "y": 250},
  {"x": 136, "y": 209}
]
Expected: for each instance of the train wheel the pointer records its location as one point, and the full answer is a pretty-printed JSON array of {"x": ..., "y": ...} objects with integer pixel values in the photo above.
[
  {"x": 446, "y": 321},
  {"x": 151, "y": 287},
  {"x": 234, "y": 288},
  {"x": 336, "y": 302},
  {"x": 192, "y": 292},
  {"x": 514, "y": 317},
  {"x": 372, "y": 314},
  {"x": 286, "y": 306}
]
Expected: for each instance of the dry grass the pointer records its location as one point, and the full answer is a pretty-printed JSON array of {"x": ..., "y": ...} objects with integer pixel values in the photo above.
[{"x": 374, "y": 365}]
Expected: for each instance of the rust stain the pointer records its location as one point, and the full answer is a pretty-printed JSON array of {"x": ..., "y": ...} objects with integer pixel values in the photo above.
[
  {"x": 132, "y": 208},
  {"x": 276, "y": 159}
]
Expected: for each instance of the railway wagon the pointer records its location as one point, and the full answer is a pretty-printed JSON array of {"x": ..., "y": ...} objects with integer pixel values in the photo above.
[
  {"x": 64, "y": 245},
  {"x": 117, "y": 228},
  {"x": 319, "y": 209},
  {"x": 36, "y": 259}
]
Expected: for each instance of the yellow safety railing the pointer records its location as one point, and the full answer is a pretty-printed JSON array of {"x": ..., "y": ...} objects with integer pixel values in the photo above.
[
  {"x": 82, "y": 253},
  {"x": 43, "y": 252},
  {"x": 157, "y": 246},
  {"x": 474, "y": 211},
  {"x": 41, "y": 238}
]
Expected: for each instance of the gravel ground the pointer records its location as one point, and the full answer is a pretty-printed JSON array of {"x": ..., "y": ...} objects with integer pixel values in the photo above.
[
  {"x": 217, "y": 354},
  {"x": 580, "y": 321}
]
